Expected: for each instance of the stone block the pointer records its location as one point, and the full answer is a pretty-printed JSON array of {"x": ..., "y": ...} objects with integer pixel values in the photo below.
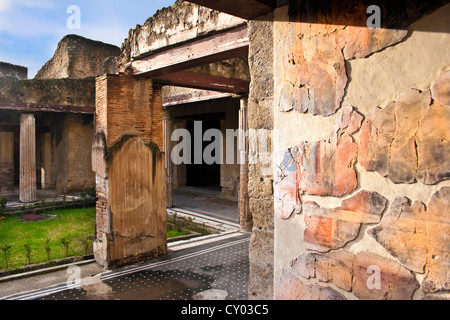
[
  {"x": 324, "y": 168},
  {"x": 433, "y": 144},
  {"x": 328, "y": 167},
  {"x": 262, "y": 245},
  {"x": 418, "y": 236},
  {"x": 408, "y": 140},
  {"x": 260, "y": 188},
  {"x": 347, "y": 120},
  {"x": 315, "y": 70},
  {"x": 328, "y": 229},
  {"x": 441, "y": 88},
  {"x": 77, "y": 57},
  {"x": 292, "y": 288},
  {"x": 315, "y": 54},
  {"x": 264, "y": 208},
  {"x": 368, "y": 276},
  {"x": 260, "y": 285},
  {"x": 395, "y": 281},
  {"x": 335, "y": 267}
]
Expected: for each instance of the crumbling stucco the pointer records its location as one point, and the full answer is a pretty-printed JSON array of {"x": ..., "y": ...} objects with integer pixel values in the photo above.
[{"x": 399, "y": 82}]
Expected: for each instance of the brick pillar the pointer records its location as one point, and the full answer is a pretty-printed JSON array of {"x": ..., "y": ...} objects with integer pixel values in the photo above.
[
  {"x": 27, "y": 182},
  {"x": 6, "y": 162},
  {"x": 245, "y": 215},
  {"x": 130, "y": 171}
]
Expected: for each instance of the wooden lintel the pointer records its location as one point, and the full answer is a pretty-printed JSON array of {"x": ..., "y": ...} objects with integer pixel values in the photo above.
[
  {"x": 38, "y": 107},
  {"x": 246, "y": 9},
  {"x": 233, "y": 43},
  {"x": 204, "y": 95},
  {"x": 203, "y": 81}
]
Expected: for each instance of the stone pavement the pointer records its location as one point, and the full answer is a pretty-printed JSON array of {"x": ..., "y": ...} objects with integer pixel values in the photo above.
[
  {"x": 208, "y": 202},
  {"x": 216, "y": 268},
  {"x": 203, "y": 268}
]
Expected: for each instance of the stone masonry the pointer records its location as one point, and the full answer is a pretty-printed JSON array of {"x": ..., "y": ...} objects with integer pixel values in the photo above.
[
  {"x": 78, "y": 57},
  {"x": 6, "y": 162},
  {"x": 362, "y": 197}
]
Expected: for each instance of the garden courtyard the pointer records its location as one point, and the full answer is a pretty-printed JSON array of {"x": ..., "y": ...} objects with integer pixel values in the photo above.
[{"x": 29, "y": 240}]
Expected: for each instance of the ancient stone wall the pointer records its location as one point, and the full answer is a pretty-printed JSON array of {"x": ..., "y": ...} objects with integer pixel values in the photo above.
[
  {"x": 260, "y": 185},
  {"x": 78, "y": 57},
  {"x": 179, "y": 23},
  {"x": 6, "y": 162},
  {"x": 69, "y": 92},
  {"x": 362, "y": 158},
  {"x": 131, "y": 207},
  {"x": 11, "y": 70},
  {"x": 79, "y": 132}
]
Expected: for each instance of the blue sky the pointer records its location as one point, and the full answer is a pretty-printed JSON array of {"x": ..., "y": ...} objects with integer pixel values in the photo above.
[{"x": 31, "y": 29}]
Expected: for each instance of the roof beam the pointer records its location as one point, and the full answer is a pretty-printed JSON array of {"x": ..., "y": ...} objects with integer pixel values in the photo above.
[
  {"x": 204, "y": 95},
  {"x": 225, "y": 45},
  {"x": 205, "y": 82},
  {"x": 246, "y": 9},
  {"x": 39, "y": 107}
]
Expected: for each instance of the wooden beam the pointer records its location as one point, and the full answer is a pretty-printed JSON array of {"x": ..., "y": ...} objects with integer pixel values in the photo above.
[
  {"x": 246, "y": 9},
  {"x": 36, "y": 107},
  {"x": 204, "y": 95},
  {"x": 205, "y": 82},
  {"x": 226, "y": 45}
]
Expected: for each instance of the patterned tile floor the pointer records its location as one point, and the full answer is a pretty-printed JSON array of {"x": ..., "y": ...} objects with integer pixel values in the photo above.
[{"x": 221, "y": 265}]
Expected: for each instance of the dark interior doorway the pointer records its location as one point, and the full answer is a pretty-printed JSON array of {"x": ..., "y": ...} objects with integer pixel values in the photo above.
[{"x": 203, "y": 175}]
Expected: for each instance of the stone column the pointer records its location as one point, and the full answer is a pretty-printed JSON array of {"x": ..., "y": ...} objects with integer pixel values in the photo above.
[
  {"x": 245, "y": 216},
  {"x": 6, "y": 162},
  {"x": 27, "y": 182},
  {"x": 167, "y": 133}
]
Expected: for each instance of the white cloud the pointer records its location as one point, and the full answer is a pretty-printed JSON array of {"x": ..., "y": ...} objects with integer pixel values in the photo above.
[
  {"x": 5, "y": 5},
  {"x": 24, "y": 25},
  {"x": 18, "y": 18}
]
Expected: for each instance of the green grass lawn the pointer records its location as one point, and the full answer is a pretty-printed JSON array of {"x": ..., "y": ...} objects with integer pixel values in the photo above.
[{"x": 75, "y": 225}]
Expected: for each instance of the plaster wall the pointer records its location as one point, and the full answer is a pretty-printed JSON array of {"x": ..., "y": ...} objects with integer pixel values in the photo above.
[{"x": 399, "y": 77}]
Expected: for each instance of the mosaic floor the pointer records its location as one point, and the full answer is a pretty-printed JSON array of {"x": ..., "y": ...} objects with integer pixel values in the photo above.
[{"x": 220, "y": 268}]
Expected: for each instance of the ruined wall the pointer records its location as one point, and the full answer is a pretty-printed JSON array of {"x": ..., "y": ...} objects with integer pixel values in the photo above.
[
  {"x": 78, "y": 57},
  {"x": 79, "y": 132},
  {"x": 6, "y": 162},
  {"x": 178, "y": 23},
  {"x": 66, "y": 151},
  {"x": 362, "y": 157},
  {"x": 260, "y": 185},
  {"x": 70, "y": 92},
  {"x": 11, "y": 70},
  {"x": 131, "y": 206}
]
